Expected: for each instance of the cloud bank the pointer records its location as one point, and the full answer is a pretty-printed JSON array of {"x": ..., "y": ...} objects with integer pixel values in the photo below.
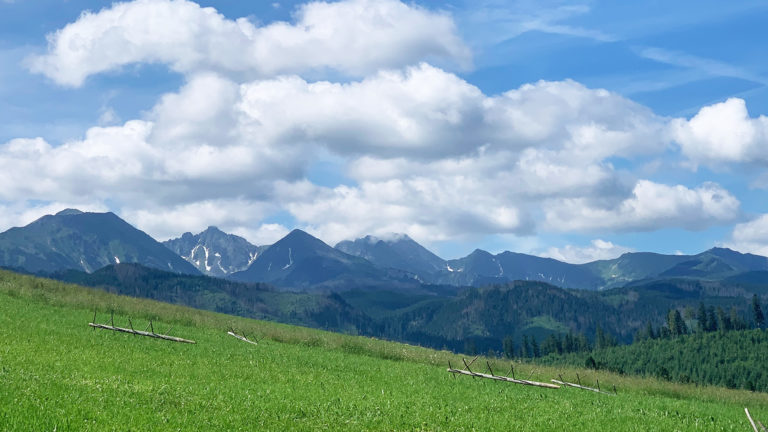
[{"x": 426, "y": 152}]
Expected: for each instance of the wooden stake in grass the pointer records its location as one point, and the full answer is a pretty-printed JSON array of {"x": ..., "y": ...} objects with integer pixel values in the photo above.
[
  {"x": 140, "y": 333},
  {"x": 242, "y": 338},
  {"x": 752, "y": 422}
]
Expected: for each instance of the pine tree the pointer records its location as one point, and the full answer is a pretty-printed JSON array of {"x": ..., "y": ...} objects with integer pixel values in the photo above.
[
  {"x": 599, "y": 338},
  {"x": 723, "y": 322},
  {"x": 711, "y": 319},
  {"x": 508, "y": 346},
  {"x": 675, "y": 323},
  {"x": 525, "y": 348},
  {"x": 649, "y": 331},
  {"x": 535, "y": 347},
  {"x": 701, "y": 318},
  {"x": 757, "y": 312}
]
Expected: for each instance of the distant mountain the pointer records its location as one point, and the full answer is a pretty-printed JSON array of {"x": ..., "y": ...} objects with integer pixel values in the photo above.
[
  {"x": 482, "y": 268},
  {"x": 713, "y": 264},
  {"x": 300, "y": 260},
  {"x": 633, "y": 266},
  {"x": 72, "y": 239},
  {"x": 214, "y": 252},
  {"x": 399, "y": 252}
]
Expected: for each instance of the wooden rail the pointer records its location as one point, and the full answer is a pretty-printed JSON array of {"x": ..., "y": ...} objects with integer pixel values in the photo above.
[
  {"x": 242, "y": 338},
  {"x": 141, "y": 333},
  {"x": 565, "y": 383},
  {"x": 502, "y": 378}
]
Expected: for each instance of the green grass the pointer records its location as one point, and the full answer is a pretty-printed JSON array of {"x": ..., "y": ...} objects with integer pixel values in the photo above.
[{"x": 58, "y": 374}]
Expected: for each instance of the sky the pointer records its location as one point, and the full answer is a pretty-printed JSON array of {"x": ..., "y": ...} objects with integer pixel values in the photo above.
[{"x": 578, "y": 130}]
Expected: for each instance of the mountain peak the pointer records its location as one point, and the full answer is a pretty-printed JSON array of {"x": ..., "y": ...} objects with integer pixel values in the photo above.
[
  {"x": 69, "y": 212},
  {"x": 213, "y": 229}
]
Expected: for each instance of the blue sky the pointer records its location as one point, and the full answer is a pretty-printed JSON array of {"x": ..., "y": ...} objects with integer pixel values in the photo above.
[{"x": 463, "y": 124}]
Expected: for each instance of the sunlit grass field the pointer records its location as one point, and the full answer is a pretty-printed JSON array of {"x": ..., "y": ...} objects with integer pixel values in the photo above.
[{"x": 56, "y": 373}]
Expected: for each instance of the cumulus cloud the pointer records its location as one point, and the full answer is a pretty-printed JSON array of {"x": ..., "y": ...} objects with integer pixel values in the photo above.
[
  {"x": 723, "y": 132},
  {"x": 597, "y": 250},
  {"x": 650, "y": 207},
  {"x": 750, "y": 236},
  {"x": 354, "y": 37},
  {"x": 228, "y": 214},
  {"x": 430, "y": 155},
  {"x": 425, "y": 112}
]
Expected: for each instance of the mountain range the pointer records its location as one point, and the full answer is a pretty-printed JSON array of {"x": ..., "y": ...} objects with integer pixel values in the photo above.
[
  {"x": 390, "y": 286},
  {"x": 72, "y": 239}
]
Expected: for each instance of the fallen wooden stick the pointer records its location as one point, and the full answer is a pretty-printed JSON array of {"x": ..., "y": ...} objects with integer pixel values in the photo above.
[
  {"x": 502, "y": 378},
  {"x": 242, "y": 338},
  {"x": 565, "y": 383},
  {"x": 752, "y": 422},
  {"x": 140, "y": 333}
]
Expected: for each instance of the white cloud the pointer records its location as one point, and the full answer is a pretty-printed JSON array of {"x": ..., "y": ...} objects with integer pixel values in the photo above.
[
  {"x": 650, "y": 207},
  {"x": 597, "y": 250},
  {"x": 353, "y": 37},
  {"x": 431, "y": 155},
  {"x": 723, "y": 132},
  {"x": 228, "y": 214},
  {"x": 425, "y": 112},
  {"x": 750, "y": 236},
  {"x": 264, "y": 234}
]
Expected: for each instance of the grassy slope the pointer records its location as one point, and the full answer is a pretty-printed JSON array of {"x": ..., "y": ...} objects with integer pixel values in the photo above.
[{"x": 56, "y": 373}]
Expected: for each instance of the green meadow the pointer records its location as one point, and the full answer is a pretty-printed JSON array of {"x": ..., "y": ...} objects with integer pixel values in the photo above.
[{"x": 56, "y": 373}]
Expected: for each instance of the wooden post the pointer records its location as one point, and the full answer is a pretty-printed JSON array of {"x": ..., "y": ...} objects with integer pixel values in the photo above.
[
  {"x": 752, "y": 422},
  {"x": 489, "y": 367},
  {"x": 113, "y": 317},
  {"x": 140, "y": 333},
  {"x": 467, "y": 366},
  {"x": 578, "y": 379},
  {"x": 94, "y": 318},
  {"x": 151, "y": 327}
]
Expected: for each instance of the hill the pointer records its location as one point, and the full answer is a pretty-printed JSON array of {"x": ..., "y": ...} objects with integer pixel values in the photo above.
[
  {"x": 59, "y": 374},
  {"x": 72, "y": 239},
  {"x": 253, "y": 300},
  {"x": 732, "y": 359}
]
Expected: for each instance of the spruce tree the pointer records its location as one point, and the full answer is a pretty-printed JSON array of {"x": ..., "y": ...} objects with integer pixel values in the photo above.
[
  {"x": 757, "y": 312},
  {"x": 525, "y": 348},
  {"x": 701, "y": 318}
]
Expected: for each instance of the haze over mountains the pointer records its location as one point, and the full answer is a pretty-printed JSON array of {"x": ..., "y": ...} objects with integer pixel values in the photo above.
[{"x": 88, "y": 241}]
